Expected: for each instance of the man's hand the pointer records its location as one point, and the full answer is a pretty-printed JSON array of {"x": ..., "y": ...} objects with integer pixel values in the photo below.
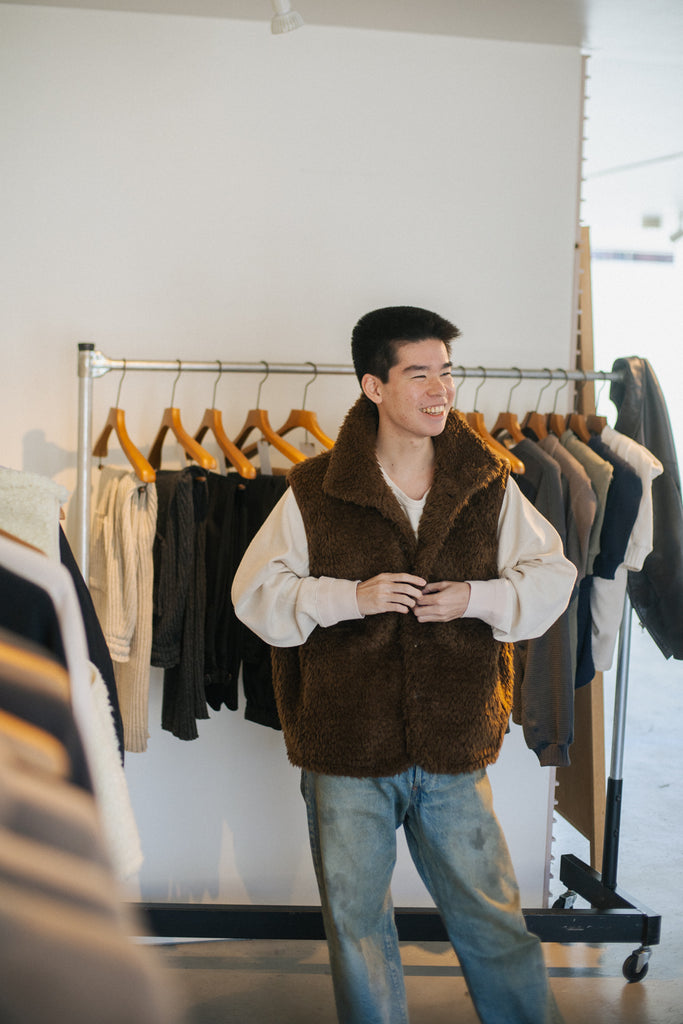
[
  {"x": 389, "y": 592},
  {"x": 442, "y": 602}
]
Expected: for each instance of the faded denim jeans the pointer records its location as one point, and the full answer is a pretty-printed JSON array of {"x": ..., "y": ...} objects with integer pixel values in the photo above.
[{"x": 460, "y": 852}]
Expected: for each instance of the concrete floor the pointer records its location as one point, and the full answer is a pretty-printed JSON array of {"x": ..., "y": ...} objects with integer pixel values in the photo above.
[{"x": 269, "y": 982}]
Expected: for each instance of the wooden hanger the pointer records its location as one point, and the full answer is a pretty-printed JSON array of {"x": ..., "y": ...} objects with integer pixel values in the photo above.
[
  {"x": 19, "y": 540},
  {"x": 556, "y": 422},
  {"x": 576, "y": 421},
  {"x": 308, "y": 420},
  {"x": 213, "y": 421},
  {"x": 171, "y": 421},
  {"x": 536, "y": 421},
  {"x": 476, "y": 421},
  {"x": 596, "y": 424},
  {"x": 116, "y": 421},
  {"x": 507, "y": 421},
  {"x": 578, "y": 424},
  {"x": 257, "y": 419}
]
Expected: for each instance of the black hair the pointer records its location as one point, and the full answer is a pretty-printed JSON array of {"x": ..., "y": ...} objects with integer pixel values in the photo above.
[{"x": 378, "y": 335}]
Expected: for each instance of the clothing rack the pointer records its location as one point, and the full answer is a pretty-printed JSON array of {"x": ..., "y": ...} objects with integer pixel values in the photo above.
[{"x": 613, "y": 915}]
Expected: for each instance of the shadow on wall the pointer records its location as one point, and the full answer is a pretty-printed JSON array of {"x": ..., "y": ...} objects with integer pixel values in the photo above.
[{"x": 44, "y": 457}]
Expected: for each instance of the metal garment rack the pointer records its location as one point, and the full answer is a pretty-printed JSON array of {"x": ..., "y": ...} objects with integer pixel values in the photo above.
[{"x": 612, "y": 915}]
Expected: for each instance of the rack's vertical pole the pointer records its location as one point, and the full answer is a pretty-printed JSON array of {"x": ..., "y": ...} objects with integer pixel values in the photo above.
[
  {"x": 85, "y": 352},
  {"x": 615, "y": 782}
]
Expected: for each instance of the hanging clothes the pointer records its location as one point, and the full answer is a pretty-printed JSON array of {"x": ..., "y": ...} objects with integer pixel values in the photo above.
[
  {"x": 70, "y": 955},
  {"x": 600, "y": 474},
  {"x": 656, "y": 592},
  {"x": 255, "y": 502},
  {"x": 607, "y": 595},
  {"x": 178, "y": 626},
  {"x": 222, "y": 633},
  {"x": 29, "y": 508},
  {"x": 98, "y": 652},
  {"x": 121, "y": 583},
  {"x": 90, "y": 714},
  {"x": 543, "y": 702}
]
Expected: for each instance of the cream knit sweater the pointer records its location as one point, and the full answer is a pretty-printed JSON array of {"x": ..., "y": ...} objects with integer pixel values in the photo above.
[{"x": 121, "y": 581}]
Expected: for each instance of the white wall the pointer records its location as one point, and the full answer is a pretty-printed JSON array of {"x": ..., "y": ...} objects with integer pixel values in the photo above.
[{"x": 199, "y": 189}]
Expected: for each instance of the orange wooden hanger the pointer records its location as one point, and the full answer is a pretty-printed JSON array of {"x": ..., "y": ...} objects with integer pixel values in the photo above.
[
  {"x": 257, "y": 419},
  {"x": 476, "y": 421},
  {"x": 596, "y": 424},
  {"x": 308, "y": 420},
  {"x": 556, "y": 422},
  {"x": 171, "y": 421},
  {"x": 213, "y": 421},
  {"x": 507, "y": 421},
  {"x": 536, "y": 421},
  {"x": 116, "y": 421}
]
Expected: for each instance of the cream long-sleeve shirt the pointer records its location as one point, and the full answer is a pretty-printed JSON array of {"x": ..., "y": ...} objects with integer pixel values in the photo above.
[{"x": 277, "y": 598}]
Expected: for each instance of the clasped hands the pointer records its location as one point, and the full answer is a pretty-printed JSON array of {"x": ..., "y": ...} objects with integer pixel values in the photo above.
[{"x": 401, "y": 592}]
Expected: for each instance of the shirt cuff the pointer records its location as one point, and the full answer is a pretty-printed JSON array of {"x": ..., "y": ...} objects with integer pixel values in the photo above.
[
  {"x": 489, "y": 601},
  {"x": 336, "y": 601}
]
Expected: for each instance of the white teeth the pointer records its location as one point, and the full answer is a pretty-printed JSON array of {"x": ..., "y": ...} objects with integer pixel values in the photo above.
[{"x": 434, "y": 410}]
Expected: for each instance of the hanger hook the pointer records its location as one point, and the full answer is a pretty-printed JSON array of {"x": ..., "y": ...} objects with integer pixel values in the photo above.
[
  {"x": 600, "y": 391},
  {"x": 261, "y": 383},
  {"x": 118, "y": 393},
  {"x": 562, "y": 385},
  {"x": 180, "y": 370},
  {"x": 515, "y": 385},
  {"x": 457, "y": 390},
  {"x": 578, "y": 393},
  {"x": 479, "y": 387},
  {"x": 545, "y": 386},
  {"x": 308, "y": 383},
  {"x": 220, "y": 374}
]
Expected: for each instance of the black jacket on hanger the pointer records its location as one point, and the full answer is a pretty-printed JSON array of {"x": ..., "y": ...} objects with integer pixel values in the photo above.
[{"x": 656, "y": 592}]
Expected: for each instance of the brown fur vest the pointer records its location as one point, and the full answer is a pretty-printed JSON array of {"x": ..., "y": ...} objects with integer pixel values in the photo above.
[{"x": 374, "y": 696}]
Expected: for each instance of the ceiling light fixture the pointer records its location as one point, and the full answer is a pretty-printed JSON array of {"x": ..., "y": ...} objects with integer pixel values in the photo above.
[{"x": 284, "y": 19}]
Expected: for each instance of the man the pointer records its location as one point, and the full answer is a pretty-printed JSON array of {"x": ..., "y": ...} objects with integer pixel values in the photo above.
[{"x": 390, "y": 580}]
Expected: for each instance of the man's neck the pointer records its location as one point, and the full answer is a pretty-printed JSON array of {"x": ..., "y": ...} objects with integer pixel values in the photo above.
[{"x": 410, "y": 464}]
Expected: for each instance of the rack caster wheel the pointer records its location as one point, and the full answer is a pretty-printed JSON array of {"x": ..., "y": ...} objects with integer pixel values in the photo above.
[
  {"x": 566, "y": 901},
  {"x": 636, "y": 965}
]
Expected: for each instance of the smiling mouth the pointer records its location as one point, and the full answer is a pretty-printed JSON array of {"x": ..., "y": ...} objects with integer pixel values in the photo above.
[{"x": 434, "y": 410}]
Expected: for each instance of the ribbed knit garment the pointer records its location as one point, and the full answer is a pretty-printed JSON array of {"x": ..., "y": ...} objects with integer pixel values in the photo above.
[
  {"x": 180, "y": 597},
  {"x": 121, "y": 580}
]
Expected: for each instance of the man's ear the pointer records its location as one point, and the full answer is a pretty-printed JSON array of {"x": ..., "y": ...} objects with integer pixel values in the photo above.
[{"x": 372, "y": 387}]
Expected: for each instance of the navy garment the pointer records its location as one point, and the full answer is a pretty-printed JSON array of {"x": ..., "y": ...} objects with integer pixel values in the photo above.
[
  {"x": 38, "y": 706},
  {"x": 585, "y": 667},
  {"x": 98, "y": 651},
  {"x": 28, "y": 611},
  {"x": 621, "y": 510}
]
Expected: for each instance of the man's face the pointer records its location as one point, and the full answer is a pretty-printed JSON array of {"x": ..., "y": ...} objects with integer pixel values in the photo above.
[{"x": 419, "y": 392}]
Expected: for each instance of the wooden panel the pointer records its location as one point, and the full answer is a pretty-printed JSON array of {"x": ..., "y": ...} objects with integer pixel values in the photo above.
[{"x": 580, "y": 791}]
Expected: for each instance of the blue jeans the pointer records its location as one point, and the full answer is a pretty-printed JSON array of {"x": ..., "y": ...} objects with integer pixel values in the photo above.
[{"x": 460, "y": 852}]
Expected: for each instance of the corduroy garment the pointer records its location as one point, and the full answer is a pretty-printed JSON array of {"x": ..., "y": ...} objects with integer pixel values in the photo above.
[{"x": 371, "y": 697}]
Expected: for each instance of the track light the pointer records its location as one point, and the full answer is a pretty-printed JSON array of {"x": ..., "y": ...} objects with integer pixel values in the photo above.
[{"x": 284, "y": 19}]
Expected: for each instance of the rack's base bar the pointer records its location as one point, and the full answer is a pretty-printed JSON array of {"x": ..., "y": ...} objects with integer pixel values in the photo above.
[{"x": 612, "y": 917}]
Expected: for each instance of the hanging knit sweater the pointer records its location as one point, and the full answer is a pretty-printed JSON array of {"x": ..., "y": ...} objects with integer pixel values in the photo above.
[{"x": 121, "y": 580}]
